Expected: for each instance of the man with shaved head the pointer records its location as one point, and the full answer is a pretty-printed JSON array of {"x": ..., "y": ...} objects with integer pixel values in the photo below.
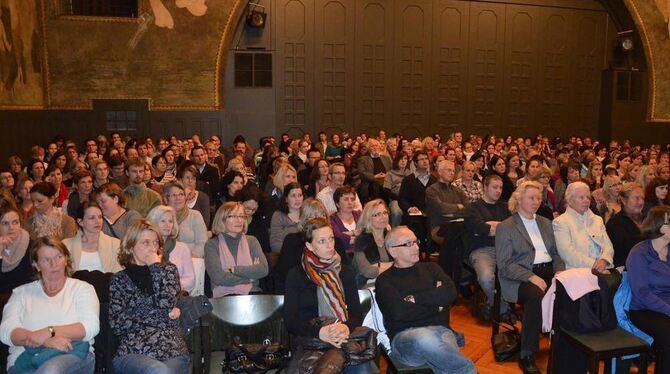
[{"x": 413, "y": 297}]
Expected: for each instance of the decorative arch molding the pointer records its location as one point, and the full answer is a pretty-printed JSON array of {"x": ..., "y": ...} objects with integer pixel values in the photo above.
[{"x": 656, "y": 42}]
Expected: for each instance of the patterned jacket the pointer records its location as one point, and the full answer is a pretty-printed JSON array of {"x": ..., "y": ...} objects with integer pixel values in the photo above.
[{"x": 140, "y": 321}]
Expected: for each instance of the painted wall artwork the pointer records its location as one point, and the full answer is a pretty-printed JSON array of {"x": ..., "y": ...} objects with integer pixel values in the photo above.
[{"x": 21, "y": 80}]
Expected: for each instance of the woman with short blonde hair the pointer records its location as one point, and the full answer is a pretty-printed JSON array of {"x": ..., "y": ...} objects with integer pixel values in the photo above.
[
  {"x": 370, "y": 255},
  {"x": 235, "y": 262},
  {"x": 513, "y": 202}
]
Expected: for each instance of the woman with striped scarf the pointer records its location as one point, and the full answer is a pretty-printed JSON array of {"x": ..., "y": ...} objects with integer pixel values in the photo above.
[{"x": 321, "y": 287}]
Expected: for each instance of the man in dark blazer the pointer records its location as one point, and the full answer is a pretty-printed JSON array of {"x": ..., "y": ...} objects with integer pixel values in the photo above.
[
  {"x": 372, "y": 169},
  {"x": 527, "y": 260},
  {"x": 208, "y": 173}
]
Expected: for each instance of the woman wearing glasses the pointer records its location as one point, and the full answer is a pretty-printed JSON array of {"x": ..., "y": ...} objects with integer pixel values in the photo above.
[
  {"x": 234, "y": 261},
  {"x": 142, "y": 306},
  {"x": 370, "y": 255},
  {"x": 192, "y": 228},
  {"x": 649, "y": 275}
]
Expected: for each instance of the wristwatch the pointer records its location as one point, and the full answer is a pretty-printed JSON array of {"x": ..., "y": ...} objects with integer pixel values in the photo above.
[{"x": 52, "y": 331}]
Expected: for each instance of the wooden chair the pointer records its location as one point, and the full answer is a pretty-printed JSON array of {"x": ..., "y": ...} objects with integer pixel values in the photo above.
[
  {"x": 597, "y": 346},
  {"x": 253, "y": 318}
]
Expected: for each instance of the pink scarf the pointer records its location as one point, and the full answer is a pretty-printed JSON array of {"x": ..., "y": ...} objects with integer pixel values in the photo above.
[{"x": 227, "y": 262}]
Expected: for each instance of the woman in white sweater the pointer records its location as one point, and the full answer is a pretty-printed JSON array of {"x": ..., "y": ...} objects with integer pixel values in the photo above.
[
  {"x": 192, "y": 228},
  {"x": 55, "y": 311},
  {"x": 91, "y": 249}
]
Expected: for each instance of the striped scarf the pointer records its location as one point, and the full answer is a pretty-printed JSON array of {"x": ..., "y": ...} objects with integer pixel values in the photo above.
[{"x": 326, "y": 276}]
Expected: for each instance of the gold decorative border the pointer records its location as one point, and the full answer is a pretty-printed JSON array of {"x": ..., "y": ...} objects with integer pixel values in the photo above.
[
  {"x": 221, "y": 56},
  {"x": 649, "y": 54}
]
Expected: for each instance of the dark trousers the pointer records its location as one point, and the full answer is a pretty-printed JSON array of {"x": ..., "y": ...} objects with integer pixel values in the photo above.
[
  {"x": 452, "y": 251},
  {"x": 530, "y": 296},
  {"x": 657, "y": 326}
]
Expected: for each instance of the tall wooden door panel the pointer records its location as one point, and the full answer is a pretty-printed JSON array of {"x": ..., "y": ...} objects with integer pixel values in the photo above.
[
  {"x": 412, "y": 65},
  {"x": 485, "y": 78},
  {"x": 521, "y": 68},
  {"x": 295, "y": 66},
  {"x": 451, "y": 20},
  {"x": 374, "y": 66},
  {"x": 334, "y": 64}
]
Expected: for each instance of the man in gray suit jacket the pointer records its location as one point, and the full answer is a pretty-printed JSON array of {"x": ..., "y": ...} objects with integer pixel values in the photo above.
[
  {"x": 372, "y": 169},
  {"x": 527, "y": 260}
]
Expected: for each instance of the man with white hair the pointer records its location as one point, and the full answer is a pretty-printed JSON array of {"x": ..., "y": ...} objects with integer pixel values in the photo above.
[
  {"x": 581, "y": 237},
  {"x": 372, "y": 168},
  {"x": 412, "y": 297}
]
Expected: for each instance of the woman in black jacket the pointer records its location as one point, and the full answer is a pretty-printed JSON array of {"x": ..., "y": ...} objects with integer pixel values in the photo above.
[{"x": 321, "y": 287}]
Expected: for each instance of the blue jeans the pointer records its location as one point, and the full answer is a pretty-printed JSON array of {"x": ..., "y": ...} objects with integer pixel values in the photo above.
[
  {"x": 141, "y": 364},
  {"x": 65, "y": 364},
  {"x": 364, "y": 368},
  {"x": 483, "y": 260},
  {"x": 395, "y": 213},
  {"x": 434, "y": 346}
]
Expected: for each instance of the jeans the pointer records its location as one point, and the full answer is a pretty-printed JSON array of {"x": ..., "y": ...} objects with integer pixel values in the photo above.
[
  {"x": 65, "y": 364},
  {"x": 395, "y": 213},
  {"x": 364, "y": 368},
  {"x": 432, "y": 345},
  {"x": 141, "y": 364},
  {"x": 483, "y": 260}
]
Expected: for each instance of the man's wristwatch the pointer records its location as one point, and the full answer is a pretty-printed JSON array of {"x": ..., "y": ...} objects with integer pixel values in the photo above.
[{"x": 52, "y": 331}]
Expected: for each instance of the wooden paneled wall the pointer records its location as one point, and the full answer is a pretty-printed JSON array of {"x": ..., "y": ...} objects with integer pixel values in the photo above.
[{"x": 423, "y": 66}]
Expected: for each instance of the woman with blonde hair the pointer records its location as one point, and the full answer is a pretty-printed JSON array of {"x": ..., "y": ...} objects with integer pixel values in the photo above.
[
  {"x": 607, "y": 198},
  {"x": 165, "y": 219},
  {"x": 370, "y": 255},
  {"x": 645, "y": 175},
  {"x": 143, "y": 311},
  {"x": 234, "y": 261}
]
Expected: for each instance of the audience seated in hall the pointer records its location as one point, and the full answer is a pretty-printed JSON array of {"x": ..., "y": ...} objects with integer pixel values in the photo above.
[{"x": 75, "y": 191}]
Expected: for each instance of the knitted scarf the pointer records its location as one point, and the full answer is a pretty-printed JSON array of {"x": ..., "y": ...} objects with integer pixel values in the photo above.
[
  {"x": 326, "y": 276},
  {"x": 15, "y": 252}
]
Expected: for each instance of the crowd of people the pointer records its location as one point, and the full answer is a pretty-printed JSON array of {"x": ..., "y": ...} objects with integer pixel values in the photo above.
[{"x": 316, "y": 220}]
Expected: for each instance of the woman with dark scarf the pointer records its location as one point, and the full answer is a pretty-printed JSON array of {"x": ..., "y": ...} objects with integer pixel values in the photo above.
[
  {"x": 165, "y": 219},
  {"x": 142, "y": 306},
  {"x": 497, "y": 165},
  {"x": 320, "y": 286}
]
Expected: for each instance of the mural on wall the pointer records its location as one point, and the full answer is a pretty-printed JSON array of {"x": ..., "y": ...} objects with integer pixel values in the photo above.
[
  {"x": 164, "y": 18},
  {"x": 20, "y": 54},
  {"x": 664, "y": 7}
]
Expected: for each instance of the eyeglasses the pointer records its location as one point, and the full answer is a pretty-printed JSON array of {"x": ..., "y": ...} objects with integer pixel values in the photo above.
[
  {"x": 408, "y": 244},
  {"x": 237, "y": 216},
  {"x": 382, "y": 213}
]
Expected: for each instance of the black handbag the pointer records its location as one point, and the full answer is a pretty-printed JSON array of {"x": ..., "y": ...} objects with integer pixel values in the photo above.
[
  {"x": 192, "y": 308},
  {"x": 255, "y": 358},
  {"x": 361, "y": 347},
  {"x": 506, "y": 344}
]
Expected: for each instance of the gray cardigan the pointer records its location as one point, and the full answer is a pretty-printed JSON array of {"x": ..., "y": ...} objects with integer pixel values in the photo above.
[
  {"x": 193, "y": 232},
  {"x": 241, "y": 274},
  {"x": 280, "y": 226},
  {"x": 515, "y": 253}
]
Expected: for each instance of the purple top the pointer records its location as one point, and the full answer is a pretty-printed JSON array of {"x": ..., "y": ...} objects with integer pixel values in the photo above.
[
  {"x": 649, "y": 279},
  {"x": 340, "y": 230}
]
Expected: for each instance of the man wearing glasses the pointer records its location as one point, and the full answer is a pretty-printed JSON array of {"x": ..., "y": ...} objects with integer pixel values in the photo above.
[
  {"x": 413, "y": 297},
  {"x": 337, "y": 174}
]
